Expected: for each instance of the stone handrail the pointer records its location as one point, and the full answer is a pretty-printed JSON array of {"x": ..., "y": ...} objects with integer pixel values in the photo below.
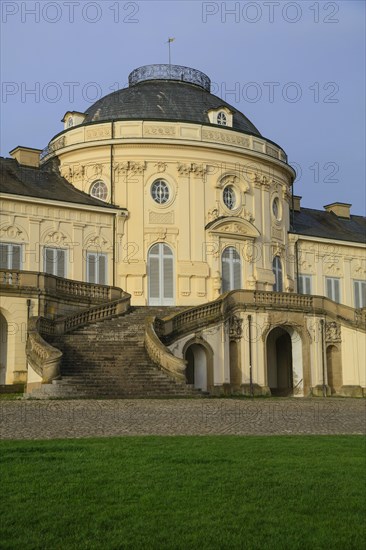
[
  {"x": 53, "y": 327},
  {"x": 8, "y": 277},
  {"x": 241, "y": 300},
  {"x": 161, "y": 355},
  {"x": 95, "y": 314},
  {"x": 44, "y": 359},
  {"x": 57, "y": 285}
]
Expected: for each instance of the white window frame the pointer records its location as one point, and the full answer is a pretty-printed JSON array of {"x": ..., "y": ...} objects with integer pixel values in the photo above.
[
  {"x": 97, "y": 184},
  {"x": 160, "y": 198},
  {"x": 335, "y": 286},
  {"x": 222, "y": 118},
  {"x": 229, "y": 190},
  {"x": 359, "y": 293},
  {"x": 157, "y": 252},
  {"x": 278, "y": 273},
  {"x": 56, "y": 251},
  {"x": 10, "y": 256},
  {"x": 97, "y": 255},
  {"x": 304, "y": 284}
]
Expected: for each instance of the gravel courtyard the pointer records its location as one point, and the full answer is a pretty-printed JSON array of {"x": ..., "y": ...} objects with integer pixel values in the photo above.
[{"x": 22, "y": 419}]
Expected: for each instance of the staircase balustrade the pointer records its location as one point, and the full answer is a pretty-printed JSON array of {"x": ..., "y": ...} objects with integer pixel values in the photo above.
[
  {"x": 161, "y": 355},
  {"x": 44, "y": 359}
]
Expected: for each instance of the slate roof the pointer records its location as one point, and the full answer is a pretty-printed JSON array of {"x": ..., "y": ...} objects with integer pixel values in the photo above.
[
  {"x": 164, "y": 100},
  {"x": 41, "y": 183},
  {"x": 320, "y": 223}
]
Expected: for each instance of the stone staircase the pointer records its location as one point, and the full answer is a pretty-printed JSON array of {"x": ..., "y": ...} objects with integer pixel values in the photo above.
[{"x": 108, "y": 360}]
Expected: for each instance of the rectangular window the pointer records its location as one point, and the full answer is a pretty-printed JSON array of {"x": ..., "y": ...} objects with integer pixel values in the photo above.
[
  {"x": 54, "y": 261},
  {"x": 96, "y": 268},
  {"x": 333, "y": 288},
  {"x": 304, "y": 284},
  {"x": 360, "y": 293},
  {"x": 10, "y": 256}
]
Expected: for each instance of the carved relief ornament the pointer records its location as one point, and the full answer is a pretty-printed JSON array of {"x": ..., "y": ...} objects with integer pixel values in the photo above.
[{"x": 333, "y": 332}]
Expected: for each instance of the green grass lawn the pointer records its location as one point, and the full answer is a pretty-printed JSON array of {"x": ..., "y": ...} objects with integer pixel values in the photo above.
[{"x": 219, "y": 492}]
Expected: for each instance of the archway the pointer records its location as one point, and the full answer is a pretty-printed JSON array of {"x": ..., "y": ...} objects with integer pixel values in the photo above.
[
  {"x": 199, "y": 366},
  {"x": 284, "y": 362},
  {"x": 334, "y": 368},
  {"x": 3, "y": 348}
]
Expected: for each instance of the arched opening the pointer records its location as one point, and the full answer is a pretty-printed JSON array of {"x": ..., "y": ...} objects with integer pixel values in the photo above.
[
  {"x": 161, "y": 275},
  {"x": 284, "y": 362},
  {"x": 3, "y": 348},
  {"x": 230, "y": 269},
  {"x": 199, "y": 371},
  {"x": 334, "y": 368},
  {"x": 235, "y": 370}
]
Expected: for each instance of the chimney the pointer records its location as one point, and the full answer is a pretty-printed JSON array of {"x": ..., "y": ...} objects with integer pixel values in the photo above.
[
  {"x": 296, "y": 203},
  {"x": 26, "y": 156},
  {"x": 340, "y": 209}
]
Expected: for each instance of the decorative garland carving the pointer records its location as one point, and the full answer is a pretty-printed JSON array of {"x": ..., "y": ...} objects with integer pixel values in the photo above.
[
  {"x": 130, "y": 166},
  {"x": 198, "y": 170},
  {"x": 235, "y": 328},
  {"x": 332, "y": 332}
]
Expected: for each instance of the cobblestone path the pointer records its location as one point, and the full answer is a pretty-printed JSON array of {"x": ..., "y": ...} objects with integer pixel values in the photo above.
[{"x": 22, "y": 419}]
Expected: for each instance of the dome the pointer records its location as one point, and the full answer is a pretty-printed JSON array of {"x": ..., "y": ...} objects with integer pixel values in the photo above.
[{"x": 165, "y": 92}]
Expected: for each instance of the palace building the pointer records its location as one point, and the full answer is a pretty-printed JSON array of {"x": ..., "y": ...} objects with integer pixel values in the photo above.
[{"x": 155, "y": 247}]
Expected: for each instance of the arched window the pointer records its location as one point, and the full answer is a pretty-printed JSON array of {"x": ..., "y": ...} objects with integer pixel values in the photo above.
[
  {"x": 70, "y": 122},
  {"x": 161, "y": 275},
  {"x": 277, "y": 270},
  {"x": 221, "y": 119},
  {"x": 99, "y": 190},
  {"x": 231, "y": 269}
]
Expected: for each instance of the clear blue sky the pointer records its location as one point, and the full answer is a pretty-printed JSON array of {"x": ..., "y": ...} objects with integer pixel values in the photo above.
[{"x": 296, "y": 69}]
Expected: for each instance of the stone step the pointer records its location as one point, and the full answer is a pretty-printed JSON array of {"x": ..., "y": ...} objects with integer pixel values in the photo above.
[{"x": 108, "y": 358}]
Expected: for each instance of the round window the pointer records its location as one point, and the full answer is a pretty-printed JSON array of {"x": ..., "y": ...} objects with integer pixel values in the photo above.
[
  {"x": 276, "y": 208},
  {"x": 229, "y": 197},
  {"x": 221, "y": 119},
  {"x": 99, "y": 190},
  {"x": 160, "y": 191}
]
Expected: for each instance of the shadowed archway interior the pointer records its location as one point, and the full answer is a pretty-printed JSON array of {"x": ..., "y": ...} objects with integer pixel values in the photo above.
[{"x": 279, "y": 362}]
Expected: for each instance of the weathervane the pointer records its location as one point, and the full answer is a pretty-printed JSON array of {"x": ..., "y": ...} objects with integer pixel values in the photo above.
[{"x": 170, "y": 40}]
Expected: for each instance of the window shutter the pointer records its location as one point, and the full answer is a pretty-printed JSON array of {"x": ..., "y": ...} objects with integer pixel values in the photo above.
[
  {"x": 60, "y": 263},
  {"x": 3, "y": 256},
  {"x": 154, "y": 277},
  {"x": 308, "y": 285},
  {"x": 91, "y": 267},
  {"x": 356, "y": 286},
  {"x": 49, "y": 260},
  {"x": 237, "y": 270},
  {"x": 168, "y": 276},
  {"x": 329, "y": 289},
  {"x": 336, "y": 291},
  {"x": 102, "y": 269},
  {"x": 363, "y": 294},
  {"x": 15, "y": 256},
  {"x": 225, "y": 269},
  {"x": 301, "y": 285},
  {"x": 279, "y": 281}
]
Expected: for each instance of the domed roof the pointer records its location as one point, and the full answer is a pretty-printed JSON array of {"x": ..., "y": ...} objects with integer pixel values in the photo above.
[{"x": 165, "y": 92}]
